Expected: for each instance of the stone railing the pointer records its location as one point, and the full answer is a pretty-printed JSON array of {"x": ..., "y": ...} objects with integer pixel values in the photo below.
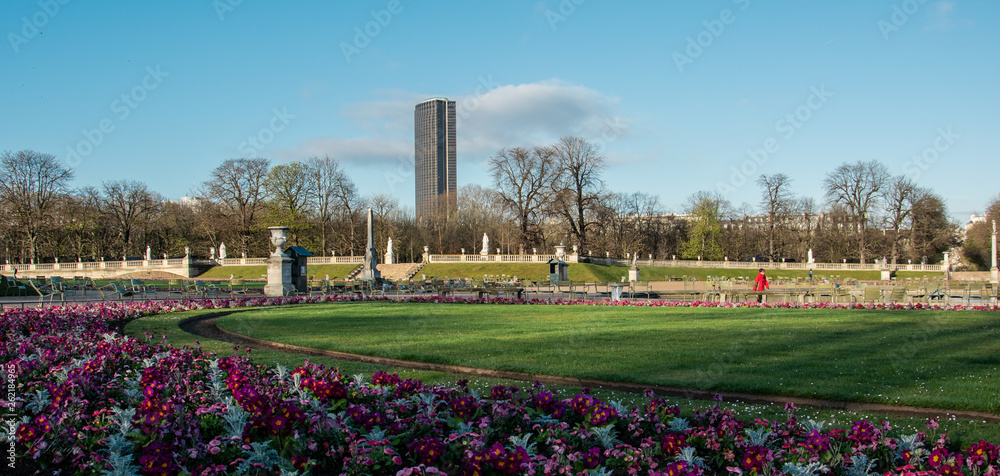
[
  {"x": 468, "y": 258},
  {"x": 754, "y": 265},
  {"x": 336, "y": 260},
  {"x": 185, "y": 266}
]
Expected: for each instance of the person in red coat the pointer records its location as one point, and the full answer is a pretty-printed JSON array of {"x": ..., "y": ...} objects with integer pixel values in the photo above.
[{"x": 760, "y": 284}]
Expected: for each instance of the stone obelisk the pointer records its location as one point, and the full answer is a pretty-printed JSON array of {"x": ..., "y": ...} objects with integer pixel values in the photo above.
[{"x": 370, "y": 272}]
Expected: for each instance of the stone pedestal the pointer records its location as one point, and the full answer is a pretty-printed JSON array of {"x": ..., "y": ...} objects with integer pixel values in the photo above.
[
  {"x": 886, "y": 275},
  {"x": 633, "y": 274},
  {"x": 279, "y": 276},
  {"x": 279, "y": 265},
  {"x": 390, "y": 258}
]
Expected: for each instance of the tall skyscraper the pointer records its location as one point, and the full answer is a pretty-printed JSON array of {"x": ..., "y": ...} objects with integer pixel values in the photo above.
[{"x": 434, "y": 157}]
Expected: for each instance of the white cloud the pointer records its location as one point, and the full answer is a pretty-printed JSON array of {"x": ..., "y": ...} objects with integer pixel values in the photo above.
[
  {"x": 941, "y": 16},
  {"x": 505, "y": 116},
  {"x": 536, "y": 114}
]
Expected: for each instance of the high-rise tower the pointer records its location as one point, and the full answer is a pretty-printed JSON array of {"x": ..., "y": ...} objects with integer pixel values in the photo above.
[{"x": 434, "y": 157}]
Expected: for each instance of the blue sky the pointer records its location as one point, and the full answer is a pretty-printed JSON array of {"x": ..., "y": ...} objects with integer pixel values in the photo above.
[{"x": 684, "y": 96}]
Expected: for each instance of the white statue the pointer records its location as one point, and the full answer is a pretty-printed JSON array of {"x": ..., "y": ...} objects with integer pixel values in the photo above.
[
  {"x": 187, "y": 251},
  {"x": 222, "y": 251},
  {"x": 390, "y": 256},
  {"x": 149, "y": 254},
  {"x": 811, "y": 256},
  {"x": 212, "y": 252},
  {"x": 486, "y": 245}
]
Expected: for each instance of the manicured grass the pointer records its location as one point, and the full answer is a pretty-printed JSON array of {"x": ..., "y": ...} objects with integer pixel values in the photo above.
[
  {"x": 164, "y": 328},
  {"x": 655, "y": 273},
  {"x": 336, "y": 271},
  {"x": 523, "y": 271},
  {"x": 924, "y": 358},
  {"x": 242, "y": 272},
  {"x": 597, "y": 273}
]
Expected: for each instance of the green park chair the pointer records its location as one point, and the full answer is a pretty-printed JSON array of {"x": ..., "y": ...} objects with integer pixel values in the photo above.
[
  {"x": 897, "y": 295},
  {"x": 872, "y": 294},
  {"x": 118, "y": 290},
  {"x": 177, "y": 287},
  {"x": 47, "y": 291},
  {"x": 236, "y": 286},
  {"x": 13, "y": 287}
]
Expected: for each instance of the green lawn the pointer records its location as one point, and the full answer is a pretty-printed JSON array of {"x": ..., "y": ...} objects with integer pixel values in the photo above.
[
  {"x": 336, "y": 271},
  {"x": 164, "y": 328},
  {"x": 922, "y": 358},
  {"x": 598, "y": 273}
]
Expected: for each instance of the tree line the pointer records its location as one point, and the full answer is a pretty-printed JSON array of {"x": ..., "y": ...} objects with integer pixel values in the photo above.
[{"x": 539, "y": 197}]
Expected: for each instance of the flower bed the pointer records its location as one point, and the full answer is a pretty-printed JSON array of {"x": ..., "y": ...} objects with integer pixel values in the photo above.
[{"x": 88, "y": 400}]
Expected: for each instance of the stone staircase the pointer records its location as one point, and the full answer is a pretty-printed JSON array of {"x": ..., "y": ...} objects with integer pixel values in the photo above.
[
  {"x": 399, "y": 271},
  {"x": 353, "y": 274}
]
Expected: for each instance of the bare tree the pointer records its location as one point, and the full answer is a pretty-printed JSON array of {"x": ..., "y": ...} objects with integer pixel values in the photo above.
[
  {"x": 859, "y": 187},
  {"x": 31, "y": 183},
  {"x": 806, "y": 206},
  {"x": 385, "y": 208},
  {"x": 237, "y": 186},
  {"x": 129, "y": 203},
  {"x": 777, "y": 201},
  {"x": 521, "y": 177},
  {"x": 326, "y": 179},
  {"x": 348, "y": 206},
  {"x": 900, "y": 197},
  {"x": 577, "y": 185},
  {"x": 628, "y": 223}
]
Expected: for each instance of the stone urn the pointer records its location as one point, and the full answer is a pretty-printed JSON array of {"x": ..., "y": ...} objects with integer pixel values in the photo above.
[{"x": 279, "y": 236}]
